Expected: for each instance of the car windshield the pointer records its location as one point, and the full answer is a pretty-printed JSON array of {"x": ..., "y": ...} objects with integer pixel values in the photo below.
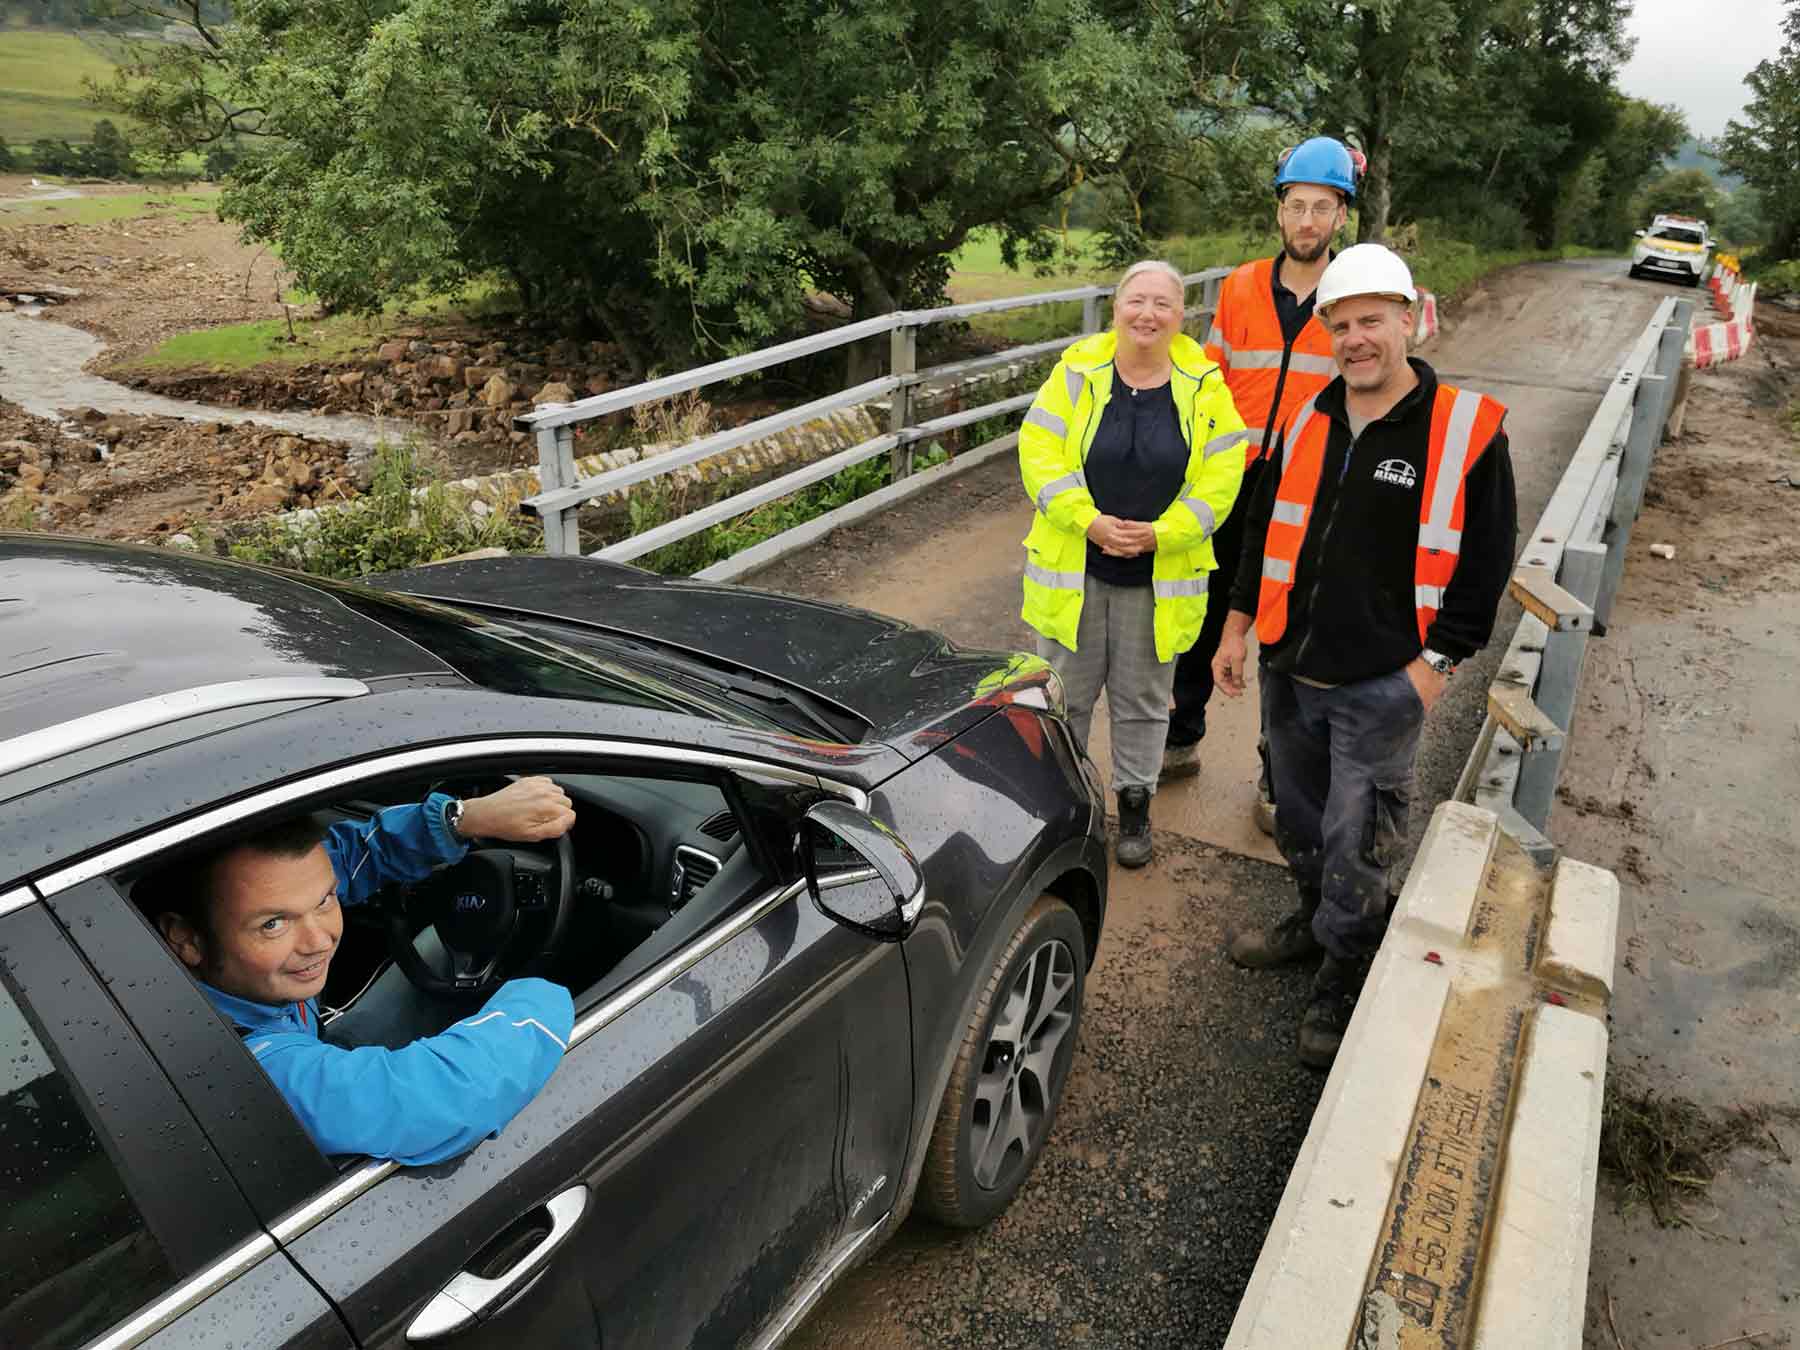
[
  {"x": 1675, "y": 234},
  {"x": 510, "y": 660}
]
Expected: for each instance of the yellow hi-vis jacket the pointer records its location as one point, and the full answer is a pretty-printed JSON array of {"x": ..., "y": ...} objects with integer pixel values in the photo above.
[{"x": 1053, "y": 448}]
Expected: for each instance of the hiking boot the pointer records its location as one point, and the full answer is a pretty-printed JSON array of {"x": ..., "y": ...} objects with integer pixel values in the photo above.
[
  {"x": 1285, "y": 941},
  {"x": 1336, "y": 985},
  {"x": 1134, "y": 827},
  {"x": 1179, "y": 761}
]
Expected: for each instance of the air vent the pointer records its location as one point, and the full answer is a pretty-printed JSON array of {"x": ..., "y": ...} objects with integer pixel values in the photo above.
[
  {"x": 722, "y": 827},
  {"x": 692, "y": 870}
]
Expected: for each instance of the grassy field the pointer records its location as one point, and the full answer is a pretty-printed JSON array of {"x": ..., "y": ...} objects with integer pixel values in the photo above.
[
  {"x": 239, "y": 346},
  {"x": 41, "y": 93},
  {"x": 109, "y": 206}
]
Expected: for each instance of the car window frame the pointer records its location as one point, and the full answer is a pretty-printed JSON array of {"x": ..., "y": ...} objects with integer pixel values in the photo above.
[
  {"x": 339, "y": 779},
  {"x": 176, "y": 1180}
]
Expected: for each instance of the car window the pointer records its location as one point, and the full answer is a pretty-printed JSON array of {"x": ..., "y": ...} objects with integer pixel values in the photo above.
[
  {"x": 75, "y": 1253},
  {"x": 1680, "y": 236}
]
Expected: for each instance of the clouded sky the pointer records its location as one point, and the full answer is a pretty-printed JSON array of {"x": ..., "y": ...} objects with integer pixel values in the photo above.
[{"x": 1695, "y": 54}]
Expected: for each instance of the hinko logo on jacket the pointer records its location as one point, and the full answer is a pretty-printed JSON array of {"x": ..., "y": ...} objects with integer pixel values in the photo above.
[{"x": 1396, "y": 471}]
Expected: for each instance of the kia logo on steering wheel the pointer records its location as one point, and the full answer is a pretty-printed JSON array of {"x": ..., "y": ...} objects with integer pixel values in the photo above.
[{"x": 470, "y": 903}]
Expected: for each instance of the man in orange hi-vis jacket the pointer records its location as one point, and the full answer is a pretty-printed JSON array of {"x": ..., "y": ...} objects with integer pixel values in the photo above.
[
  {"x": 1275, "y": 356},
  {"x": 1376, "y": 549}
]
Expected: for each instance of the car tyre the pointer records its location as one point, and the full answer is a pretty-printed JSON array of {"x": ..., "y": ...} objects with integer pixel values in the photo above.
[
  {"x": 1633, "y": 273},
  {"x": 1001, "y": 1101}
]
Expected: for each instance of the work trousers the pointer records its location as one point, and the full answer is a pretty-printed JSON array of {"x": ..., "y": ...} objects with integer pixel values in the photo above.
[
  {"x": 1116, "y": 642},
  {"x": 1193, "y": 668},
  {"x": 1342, "y": 763}
]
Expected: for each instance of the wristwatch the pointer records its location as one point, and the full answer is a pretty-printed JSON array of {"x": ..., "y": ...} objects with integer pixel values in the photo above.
[
  {"x": 453, "y": 817},
  {"x": 1442, "y": 664}
]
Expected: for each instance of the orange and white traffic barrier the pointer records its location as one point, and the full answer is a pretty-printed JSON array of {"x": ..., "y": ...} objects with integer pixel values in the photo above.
[{"x": 1711, "y": 344}]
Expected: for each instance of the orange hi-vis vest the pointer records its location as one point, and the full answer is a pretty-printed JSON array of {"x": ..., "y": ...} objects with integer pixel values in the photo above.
[
  {"x": 1268, "y": 382},
  {"x": 1463, "y": 423}
]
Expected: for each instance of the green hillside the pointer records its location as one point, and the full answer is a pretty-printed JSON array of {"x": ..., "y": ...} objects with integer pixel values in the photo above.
[
  {"x": 1691, "y": 156},
  {"x": 41, "y": 92}
]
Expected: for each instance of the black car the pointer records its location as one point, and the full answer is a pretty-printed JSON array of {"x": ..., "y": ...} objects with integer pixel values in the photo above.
[{"x": 826, "y": 913}]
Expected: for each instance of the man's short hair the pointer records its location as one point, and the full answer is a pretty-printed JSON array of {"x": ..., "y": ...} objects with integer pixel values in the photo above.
[{"x": 188, "y": 886}]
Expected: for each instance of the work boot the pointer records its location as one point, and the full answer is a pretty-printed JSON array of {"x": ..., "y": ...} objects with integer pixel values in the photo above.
[
  {"x": 1179, "y": 761},
  {"x": 1134, "y": 827},
  {"x": 1287, "y": 940},
  {"x": 1336, "y": 986}
]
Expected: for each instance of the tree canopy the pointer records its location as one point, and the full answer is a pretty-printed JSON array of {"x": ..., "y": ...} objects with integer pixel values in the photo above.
[
  {"x": 1765, "y": 146},
  {"x": 683, "y": 175}
]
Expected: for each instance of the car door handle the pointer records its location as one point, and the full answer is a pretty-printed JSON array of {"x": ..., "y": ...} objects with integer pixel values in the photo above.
[{"x": 469, "y": 1297}]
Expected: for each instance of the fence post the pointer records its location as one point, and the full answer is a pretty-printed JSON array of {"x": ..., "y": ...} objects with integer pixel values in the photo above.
[
  {"x": 903, "y": 348},
  {"x": 1090, "y": 313},
  {"x": 1647, "y": 408},
  {"x": 556, "y": 469}
]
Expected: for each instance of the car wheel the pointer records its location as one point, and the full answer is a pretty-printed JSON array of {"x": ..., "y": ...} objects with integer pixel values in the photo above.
[{"x": 1009, "y": 1075}]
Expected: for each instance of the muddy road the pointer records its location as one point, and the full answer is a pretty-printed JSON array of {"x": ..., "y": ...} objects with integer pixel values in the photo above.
[{"x": 1185, "y": 1106}]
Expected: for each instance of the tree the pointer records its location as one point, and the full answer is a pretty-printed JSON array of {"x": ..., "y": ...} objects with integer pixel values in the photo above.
[
  {"x": 1686, "y": 192},
  {"x": 1765, "y": 147},
  {"x": 108, "y": 154},
  {"x": 1741, "y": 218},
  {"x": 1643, "y": 136},
  {"x": 677, "y": 175}
]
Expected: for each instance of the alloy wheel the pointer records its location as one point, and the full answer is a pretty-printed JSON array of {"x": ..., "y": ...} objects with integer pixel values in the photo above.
[{"x": 1020, "y": 1070}]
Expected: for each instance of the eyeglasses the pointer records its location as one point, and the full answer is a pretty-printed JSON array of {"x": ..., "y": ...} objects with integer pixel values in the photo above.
[{"x": 1320, "y": 211}]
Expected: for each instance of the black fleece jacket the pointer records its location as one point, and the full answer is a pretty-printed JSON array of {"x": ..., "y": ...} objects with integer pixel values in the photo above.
[{"x": 1351, "y": 614}]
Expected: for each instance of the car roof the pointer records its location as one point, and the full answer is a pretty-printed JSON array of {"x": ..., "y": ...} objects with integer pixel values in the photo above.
[{"x": 90, "y": 632}]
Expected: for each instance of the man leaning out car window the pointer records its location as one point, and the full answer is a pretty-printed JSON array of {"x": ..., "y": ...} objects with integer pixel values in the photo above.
[{"x": 257, "y": 924}]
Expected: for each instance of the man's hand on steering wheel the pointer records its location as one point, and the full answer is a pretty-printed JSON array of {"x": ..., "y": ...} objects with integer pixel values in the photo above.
[{"x": 525, "y": 811}]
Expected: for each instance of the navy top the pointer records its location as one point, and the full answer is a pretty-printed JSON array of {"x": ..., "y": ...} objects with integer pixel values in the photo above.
[
  {"x": 1291, "y": 313},
  {"x": 1135, "y": 468}
]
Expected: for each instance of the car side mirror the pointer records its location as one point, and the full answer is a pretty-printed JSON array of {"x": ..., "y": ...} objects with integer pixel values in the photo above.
[
  {"x": 859, "y": 872},
  {"x": 1640, "y": 233}
]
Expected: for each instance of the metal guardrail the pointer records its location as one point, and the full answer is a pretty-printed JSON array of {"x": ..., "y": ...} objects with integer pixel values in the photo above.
[
  {"x": 561, "y": 493},
  {"x": 1566, "y": 579}
]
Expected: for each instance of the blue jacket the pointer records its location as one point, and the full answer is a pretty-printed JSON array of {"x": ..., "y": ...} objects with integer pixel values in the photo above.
[{"x": 442, "y": 1094}]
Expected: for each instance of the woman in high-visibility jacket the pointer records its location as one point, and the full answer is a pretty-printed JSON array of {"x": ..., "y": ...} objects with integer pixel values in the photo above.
[{"x": 1132, "y": 454}]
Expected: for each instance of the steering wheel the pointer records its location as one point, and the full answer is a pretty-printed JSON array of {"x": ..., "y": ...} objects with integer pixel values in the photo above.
[{"x": 480, "y": 907}]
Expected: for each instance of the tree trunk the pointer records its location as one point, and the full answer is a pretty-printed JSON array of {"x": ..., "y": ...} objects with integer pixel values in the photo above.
[
  {"x": 867, "y": 360},
  {"x": 1372, "y": 201}
]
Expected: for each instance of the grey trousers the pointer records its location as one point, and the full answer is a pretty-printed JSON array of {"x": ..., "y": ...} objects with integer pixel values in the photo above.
[
  {"x": 1116, "y": 650},
  {"x": 1342, "y": 764}
]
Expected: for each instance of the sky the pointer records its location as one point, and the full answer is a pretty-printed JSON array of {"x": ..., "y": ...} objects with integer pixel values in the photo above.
[{"x": 1695, "y": 54}]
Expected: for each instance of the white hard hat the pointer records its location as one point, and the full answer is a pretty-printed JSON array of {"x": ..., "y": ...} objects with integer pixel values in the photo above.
[{"x": 1365, "y": 269}]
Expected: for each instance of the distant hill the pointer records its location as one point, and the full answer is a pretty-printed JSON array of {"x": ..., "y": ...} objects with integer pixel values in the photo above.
[{"x": 1691, "y": 156}]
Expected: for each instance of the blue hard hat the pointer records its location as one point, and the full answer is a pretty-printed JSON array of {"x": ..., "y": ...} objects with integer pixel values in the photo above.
[{"x": 1321, "y": 160}]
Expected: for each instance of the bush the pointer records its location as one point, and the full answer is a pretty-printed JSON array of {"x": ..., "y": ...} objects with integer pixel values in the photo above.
[
  {"x": 406, "y": 518},
  {"x": 221, "y": 159},
  {"x": 108, "y": 155},
  {"x": 57, "y": 157},
  {"x": 1780, "y": 278}
]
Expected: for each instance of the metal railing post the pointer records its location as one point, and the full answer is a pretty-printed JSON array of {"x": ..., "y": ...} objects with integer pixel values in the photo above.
[
  {"x": 556, "y": 469},
  {"x": 1090, "y": 313},
  {"x": 903, "y": 347},
  {"x": 1647, "y": 409},
  {"x": 1669, "y": 353}
]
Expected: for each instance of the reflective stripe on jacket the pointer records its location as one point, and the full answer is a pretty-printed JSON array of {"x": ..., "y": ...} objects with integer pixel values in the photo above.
[
  {"x": 1053, "y": 448},
  {"x": 1463, "y": 423},
  {"x": 1246, "y": 342}
]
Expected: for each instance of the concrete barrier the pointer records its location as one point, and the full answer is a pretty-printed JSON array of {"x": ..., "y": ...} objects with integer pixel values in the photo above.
[{"x": 1444, "y": 1195}]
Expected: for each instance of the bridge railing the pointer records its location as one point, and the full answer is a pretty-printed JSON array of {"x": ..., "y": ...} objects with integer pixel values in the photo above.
[
  {"x": 562, "y": 492},
  {"x": 1566, "y": 578}
]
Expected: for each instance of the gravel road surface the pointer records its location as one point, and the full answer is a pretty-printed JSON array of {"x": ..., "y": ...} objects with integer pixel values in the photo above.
[{"x": 1185, "y": 1106}]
